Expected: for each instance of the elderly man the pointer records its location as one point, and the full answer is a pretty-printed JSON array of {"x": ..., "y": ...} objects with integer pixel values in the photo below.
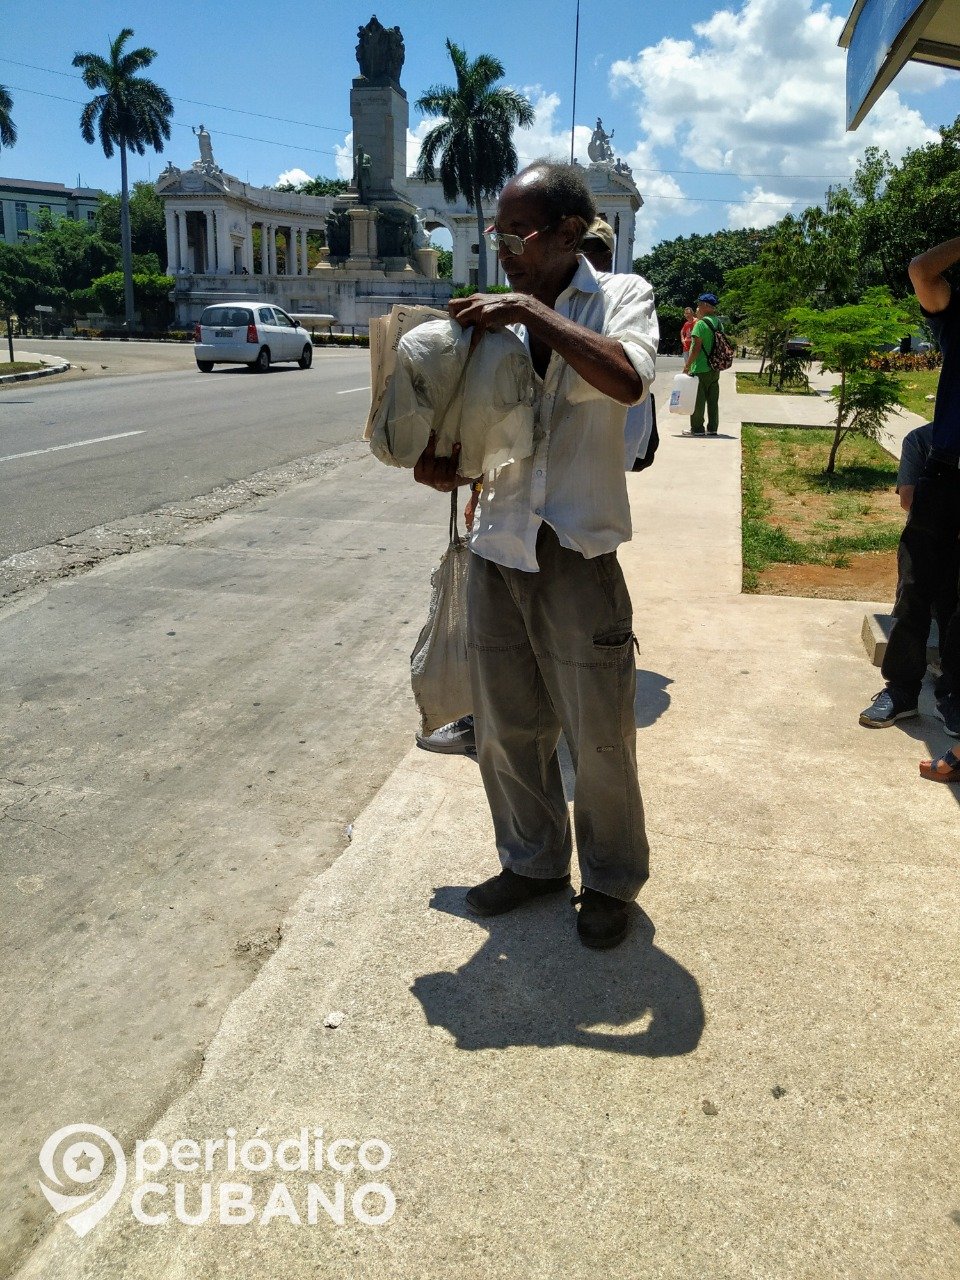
[
  {"x": 551, "y": 624},
  {"x": 702, "y": 337}
]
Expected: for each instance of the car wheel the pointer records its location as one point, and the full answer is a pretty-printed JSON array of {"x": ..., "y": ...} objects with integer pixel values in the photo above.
[
  {"x": 306, "y": 358},
  {"x": 205, "y": 366},
  {"x": 262, "y": 362}
]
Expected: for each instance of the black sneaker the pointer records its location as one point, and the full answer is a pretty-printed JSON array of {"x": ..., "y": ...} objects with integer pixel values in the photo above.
[
  {"x": 602, "y": 921},
  {"x": 887, "y": 708},
  {"x": 508, "y": 890},
  {"x": 948, "y": 709}
]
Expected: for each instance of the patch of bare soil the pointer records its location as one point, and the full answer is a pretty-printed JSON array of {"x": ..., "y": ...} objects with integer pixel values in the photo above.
[{"x": 869, "y": 576}]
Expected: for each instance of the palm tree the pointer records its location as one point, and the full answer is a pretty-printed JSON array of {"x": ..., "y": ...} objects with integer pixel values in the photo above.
[
  {"x": 8, "y": 130},
  {"x": 474, "y": 140},
  {"x": 130, "y": 114}
]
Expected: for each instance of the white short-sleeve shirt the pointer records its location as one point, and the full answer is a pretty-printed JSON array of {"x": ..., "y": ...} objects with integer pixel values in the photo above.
[{"x": 575, "y": 480}]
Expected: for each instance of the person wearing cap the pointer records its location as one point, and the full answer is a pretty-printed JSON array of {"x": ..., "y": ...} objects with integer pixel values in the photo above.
[
  {"x": 697, "y": 364},
  {"x": 598, "y": 247}
]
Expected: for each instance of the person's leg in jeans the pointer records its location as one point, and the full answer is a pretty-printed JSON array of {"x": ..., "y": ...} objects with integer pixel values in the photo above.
[
  {"x": 696, "y": 418},
  {"x": 925, "y": 547},
  {"x": 579, "y": 618},
  {"x": 517, "y": 728},
  {"x": 712, "y": 398},
  {"x": 948, "y": 621}
]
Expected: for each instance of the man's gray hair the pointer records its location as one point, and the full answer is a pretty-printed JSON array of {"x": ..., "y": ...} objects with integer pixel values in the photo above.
[{"x": 563, "y": 191}]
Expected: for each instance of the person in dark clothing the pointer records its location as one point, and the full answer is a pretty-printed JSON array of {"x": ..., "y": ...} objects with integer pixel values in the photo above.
[{"x": 927, "y": 553}]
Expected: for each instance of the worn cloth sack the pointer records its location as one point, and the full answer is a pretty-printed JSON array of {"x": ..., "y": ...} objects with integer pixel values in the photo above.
[
  {"x": 721, "y": 353},
  {"x": 439, "y": 668}
]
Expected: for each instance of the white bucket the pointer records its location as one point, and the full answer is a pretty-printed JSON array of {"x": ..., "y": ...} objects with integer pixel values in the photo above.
[{"x": 683, "y": 397}]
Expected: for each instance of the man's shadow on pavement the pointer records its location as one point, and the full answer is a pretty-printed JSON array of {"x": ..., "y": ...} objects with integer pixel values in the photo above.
[{"x": 533, "y": 983}]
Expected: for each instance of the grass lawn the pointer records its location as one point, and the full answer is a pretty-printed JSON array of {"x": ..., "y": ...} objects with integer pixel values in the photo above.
[
  {"x": 916, "y": 387},
  {"x": 18, "y": 366},
  {"x": 755, "y": 384},
  {"x": 794, "y": 515}
]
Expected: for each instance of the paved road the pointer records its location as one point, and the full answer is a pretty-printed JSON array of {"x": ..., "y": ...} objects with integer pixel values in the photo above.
[{"x": 78, "y": 454}]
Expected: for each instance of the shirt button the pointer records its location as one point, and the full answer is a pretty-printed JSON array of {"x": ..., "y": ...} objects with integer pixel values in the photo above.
[
  {"x": 539, "y": 473},
  {"x": 538, "y": 512}
]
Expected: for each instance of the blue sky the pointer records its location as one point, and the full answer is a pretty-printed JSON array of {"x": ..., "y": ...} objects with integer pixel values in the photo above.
[{"x": 730, "y": 115}]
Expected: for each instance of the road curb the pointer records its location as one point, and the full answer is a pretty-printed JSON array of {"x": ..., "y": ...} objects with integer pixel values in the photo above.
[{"x": 46, "y": 372}]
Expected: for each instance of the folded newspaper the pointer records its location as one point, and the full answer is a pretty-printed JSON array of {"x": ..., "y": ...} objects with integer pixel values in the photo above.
[{"x": 385, "y": 335}]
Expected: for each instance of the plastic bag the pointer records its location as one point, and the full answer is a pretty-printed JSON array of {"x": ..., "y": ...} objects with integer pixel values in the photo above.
[
  {"x": 439, "y": 666},
  {"x": 482, "y": 400}
]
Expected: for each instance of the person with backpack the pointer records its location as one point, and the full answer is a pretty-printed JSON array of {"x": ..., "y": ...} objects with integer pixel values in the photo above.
[{"x": 710, "y": 353}]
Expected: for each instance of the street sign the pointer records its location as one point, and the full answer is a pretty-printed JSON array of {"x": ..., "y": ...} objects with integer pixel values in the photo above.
[{"x": 40, "y": 307}]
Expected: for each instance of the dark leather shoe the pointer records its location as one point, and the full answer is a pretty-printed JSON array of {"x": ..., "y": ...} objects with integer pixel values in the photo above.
[
  {"x": 507, "y": 890},
  {"x": 602, "y": 921}
]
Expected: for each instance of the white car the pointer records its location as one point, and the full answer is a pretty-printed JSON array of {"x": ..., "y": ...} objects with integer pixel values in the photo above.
[{"x": 254, "y": 333}]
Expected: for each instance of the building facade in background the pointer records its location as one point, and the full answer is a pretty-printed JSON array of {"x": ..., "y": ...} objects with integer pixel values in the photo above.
[{"x": 22, "y": 202}]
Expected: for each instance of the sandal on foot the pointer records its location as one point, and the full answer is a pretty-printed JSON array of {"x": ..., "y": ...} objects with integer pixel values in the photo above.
[{"x": 931, "y": 769}]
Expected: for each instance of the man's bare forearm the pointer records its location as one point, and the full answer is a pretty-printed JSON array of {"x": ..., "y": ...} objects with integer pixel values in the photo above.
[
  {"x": 600, "y": 361},
  {"x": 926, "y": 274}
]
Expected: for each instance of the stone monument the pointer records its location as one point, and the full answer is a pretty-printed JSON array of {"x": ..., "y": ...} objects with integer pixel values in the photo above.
[{"x": 381, "y": 219}]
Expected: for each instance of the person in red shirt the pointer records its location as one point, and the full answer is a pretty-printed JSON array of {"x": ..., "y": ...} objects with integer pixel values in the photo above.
[{"x": 686, "y": 328}]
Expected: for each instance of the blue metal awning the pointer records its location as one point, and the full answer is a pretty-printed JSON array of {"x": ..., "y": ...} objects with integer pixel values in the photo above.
[{"x": 881, "y": 35}]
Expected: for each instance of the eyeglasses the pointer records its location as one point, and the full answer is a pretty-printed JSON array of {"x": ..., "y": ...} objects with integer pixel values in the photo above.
[{"x": 514, "y": 245}]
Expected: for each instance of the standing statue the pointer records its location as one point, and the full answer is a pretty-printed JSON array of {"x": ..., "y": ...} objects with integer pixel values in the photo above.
[
  {"x": 206, "y": 147},
  {"x": 361, "y": 175},
  {"x": 600, "y": 150},
  {"x": 380, "y": 52}
]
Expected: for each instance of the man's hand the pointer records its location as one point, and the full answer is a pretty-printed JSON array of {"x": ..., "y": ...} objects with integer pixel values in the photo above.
[
  {"x": 487, "y": 311},
  {"x": 439, "y": 473}
]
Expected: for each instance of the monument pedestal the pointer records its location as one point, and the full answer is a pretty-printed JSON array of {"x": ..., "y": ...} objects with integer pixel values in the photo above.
[{"x": 363, "y": 239}]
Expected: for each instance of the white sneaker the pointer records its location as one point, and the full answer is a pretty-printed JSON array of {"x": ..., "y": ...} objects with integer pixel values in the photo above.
[{"x": 456, "y": 739}]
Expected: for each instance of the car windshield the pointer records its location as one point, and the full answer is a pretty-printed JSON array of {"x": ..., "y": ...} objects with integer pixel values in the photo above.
[{"x": 226, "y": 317}]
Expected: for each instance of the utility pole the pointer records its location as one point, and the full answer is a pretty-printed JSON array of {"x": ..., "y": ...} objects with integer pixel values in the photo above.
[{"x": 576, "y": 54}]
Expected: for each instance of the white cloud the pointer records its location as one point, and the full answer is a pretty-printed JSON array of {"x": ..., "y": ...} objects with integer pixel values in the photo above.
[
  {"x": 344, "y": 161},
  {"x": 293, "y": 176},
  {"x": 759, "y": 91},
  {"x": 760, "y": 208}
]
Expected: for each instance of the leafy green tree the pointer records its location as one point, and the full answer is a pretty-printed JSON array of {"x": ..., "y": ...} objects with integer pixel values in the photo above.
[
  {"x": 681, "y": 269},
  {"x": 148, "y": 227},
  {"x": 474, "y": 140},
  {"x": 131, "y": 113},
  {"x": 77, "y": 250},
  {"x": 444, "y": 261},
  {"x": 28, "y": 276},
  {"x": 8, "y": 130},
  {"x": 759, "y": 298},
  {"x": 318, "y": 186},
  {"x": 844, "y": 339},
  {"x": 151, "y": 290}
]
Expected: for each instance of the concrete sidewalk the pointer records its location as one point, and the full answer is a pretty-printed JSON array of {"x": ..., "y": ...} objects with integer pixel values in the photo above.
[{"x": 761, "y": 1082}]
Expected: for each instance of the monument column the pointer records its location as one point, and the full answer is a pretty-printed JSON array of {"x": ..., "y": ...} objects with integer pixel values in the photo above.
[
  {"x": 305, "y": 257},
  {"x": 293, "y": 263},
  {"x": 184, "y": 254},
  {"x": 172, "y": 246},
  {"x": 224, "y": 243},
  {"x": 379, "y": 110},
  {"x": 208, "y": 241}
]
